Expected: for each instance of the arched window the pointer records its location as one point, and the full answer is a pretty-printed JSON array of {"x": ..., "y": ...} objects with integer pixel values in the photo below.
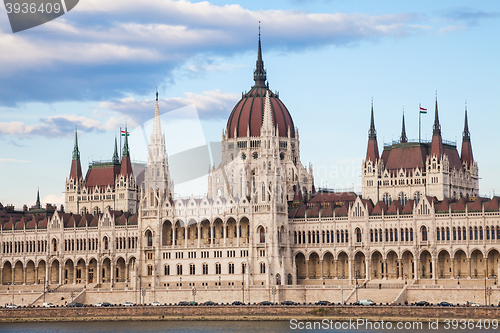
[
  {"x": 411, "y": 234},
  {"x": 480, "y": 233},
  {"x": 424, "y": 233},
  {"x": 416, "y": 197},
  {"x": 447, "y": 233},
  {"x": 488, "y": 232},
  {"x": 54, "y": 244},
  {"x": 387, "y": 235},
  {"x": 179, "y": 269},
  {"x": 262, "y": 234},
  {"x": 150, "y": 269},
  {"x": 167, "y": 270},
  {"x": 403, "y": 199},
  {"x": 218, "y": 269},
  {"x": 454, "y": 233},
  {"x": 371, "y": 235},
  {"x": 295, "y": 237},
  {"x": 459, "y": 233},
  {"x": 387, "y": 199},
  {"x": 406, "y": 235},
  {"x": 106, "y": 244},
  {"x": 358, "y": 235},
  {"x": 262, "y": 268},
  {"x": 149, "y": 236},
  {"x": 475, "y": 233}
]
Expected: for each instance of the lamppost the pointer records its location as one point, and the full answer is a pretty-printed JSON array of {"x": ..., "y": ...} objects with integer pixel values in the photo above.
[
  {"x": 243, "y": 283},
  {"x": 143, "y": 296},
  {"x": 274, "y": 295},
  {"x": 44, "y": 288},
  {"x": 193, "y": 291},
  {"x": 13, "y": 284},
  {"x": 485, "y": 287}
]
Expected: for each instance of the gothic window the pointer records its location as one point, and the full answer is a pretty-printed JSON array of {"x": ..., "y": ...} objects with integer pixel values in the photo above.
[
  {"x": 262, "y": 234},
  {"x": 179, "y": 269},
  {"x": 167, "y": 270},
  {"x": 231, "y": 268},
  {"x": 358, "y": 235},
  {"x": 149, "y": 237},
  {"x": 411, "y": 234},
  {"x": 106, "y": 245},
  {"x": 387, "y": 199},
  {"x": 205, "y": 269},
  {"x": 218, "y": 269},
  {"x": 262, "y": 268},
  {"x": 447, "y": 233},
  {"x": 192, "y": 269},
  {"x": 487, "y": 232},
  {"x": 424, "y": 233},
  {"x": 150, "y": 269},
  {"x": 480, "y": 233},
  {"x": 403, "y": 199},
  {"x": 454, "y": 233}
]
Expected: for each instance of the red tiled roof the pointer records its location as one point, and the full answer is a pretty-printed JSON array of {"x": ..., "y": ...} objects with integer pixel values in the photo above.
[
  {"x": 372, "y": 151},
  {"x": 407, "y": 157},
  {"x": 342, "y": 211},
  {"x": 76, "y": 170},
  {"x": 102, "y": 175},
  {"x": 328, "y": 210},
  {"x": 395, "y": 207},
  {"x": 493, "y": 204},
  {"x": 443, "y": 207},
  {"x": 408, "y": 207},
  {"x": 126, "y": 166},
  {"x": 334, "y": 197},
  {"x": 301, "y": 212},
  {"x": 133, "y": 220},
  {"x": 379, "y": 208},
  {"x": 313, "y": 211}
]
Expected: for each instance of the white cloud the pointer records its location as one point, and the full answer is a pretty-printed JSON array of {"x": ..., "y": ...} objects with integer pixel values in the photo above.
[
  {"x": 53, "y": 199},
  {"x": 2, "y": 160}
]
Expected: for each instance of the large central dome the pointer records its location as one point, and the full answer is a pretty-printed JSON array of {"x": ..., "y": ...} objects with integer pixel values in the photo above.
[{"x": 249, "y": 111}]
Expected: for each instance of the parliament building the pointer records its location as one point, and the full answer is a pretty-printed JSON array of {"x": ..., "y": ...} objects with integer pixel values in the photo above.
[{"x": 419, "y": 219}]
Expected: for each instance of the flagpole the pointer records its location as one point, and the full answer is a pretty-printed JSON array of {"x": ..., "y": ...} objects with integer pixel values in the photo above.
[
  {"x": 419, "y": 116},
  {"x": 120, "y": 143}
]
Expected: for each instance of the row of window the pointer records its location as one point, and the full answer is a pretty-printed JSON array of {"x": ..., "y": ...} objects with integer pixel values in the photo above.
[
  {"x": 24, "y": 247},
  {"x": 475, "y": 233},
  {"x": 205, "y": 269},
  {"x": 206, "y": 254},
  {"x": 391, "y": 235},
  {"x": 299, "y": 237}
]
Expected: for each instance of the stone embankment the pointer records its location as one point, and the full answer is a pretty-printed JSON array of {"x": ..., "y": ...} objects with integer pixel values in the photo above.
[{"x": 249, "y": 312}]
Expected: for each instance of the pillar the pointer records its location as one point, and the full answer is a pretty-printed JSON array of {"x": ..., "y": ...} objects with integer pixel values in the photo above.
[
  {"x": 468, "y": 268},
  {"x": 36, "y": 276},
  {"x": 238, "y": 235},
  {"x": 400, "y": 269},
  {"x": 86, "y": 274},
  {"x": 112, "y": 276},
  {"x": 452, "y": 268},
  {"x": 350, "y": 270},
  {"x": 212, "y": 229},
  {"x": 307, "y": 269},
  {"x": 321, "y": 264},
  {"x": 384, "y": 265},
  {"x": 368, "y": 274},
  {"x": 416, "y": 265},
  {"x": 198, "y": 228},
  {"x": 24, "y": 275},
  {"x": 185, "y": 235},
  {"x": 74, "y": 273},
  {"x": 434, "y": 272},
  {"x": 224, "y": 232},
  {"x": 336, "y": 268},
  {"x": 173, "y": 234},
  {"x": 98, "y": 273}
]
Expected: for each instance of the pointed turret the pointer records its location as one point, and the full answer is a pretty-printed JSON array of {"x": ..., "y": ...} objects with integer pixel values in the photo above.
[
  {"x": 116, "y": 159},
  {"x": 76, "y": 167},
  {"x": 372, "y": 151},
  {"x": 267, "y": 127},
  {"x": 126, "y": 167},
  {"x": 403, "y": 138},
  {"x": 259, "y": 75},
  {"x": 297, "y": 197},
  {"x": 437, "y": 140},
  {"x": 466, "y": 156},
  {"x": 38, "y": 199}
]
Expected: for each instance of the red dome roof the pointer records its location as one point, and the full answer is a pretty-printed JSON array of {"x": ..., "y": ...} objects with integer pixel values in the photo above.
[{"x": 249, "y": 111}]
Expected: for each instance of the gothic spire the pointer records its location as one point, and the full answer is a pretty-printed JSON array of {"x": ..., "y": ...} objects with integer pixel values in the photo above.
[
  {"x": 403, "y": 138},
  {"x": 437, "y": 127},
  {"x": 466, "y": 134},
  {"x": 259, "y": 75},
  {"x": 38, "y": 199},
  {"x": 76, "y": 152},
  {"x": 372, "y": 134},
  {"x": 126, "y": 151},
  {"x": 116, "y": 158}
]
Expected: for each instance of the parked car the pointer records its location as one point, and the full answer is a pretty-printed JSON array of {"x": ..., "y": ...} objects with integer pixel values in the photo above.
[
  {"x": 422, "y": 303},
  {"x": 366, "y": 302},
  {"x": 75, "y": 305},
  {"x": 209, "y": 303},
  {"x": 183, "y": 303},
  {"x": 445, "y": 304},
  {"x": 128, "y": 304},
  {"x": 471, "y": 304},
  {"x": 155, "y": 304},
  {"x": 323, "y": 303},
  {"x": 238, "y": 303},
  {"x": 193, "y": 303},
  {"x": 48, "y": 305},
  {"x": 12, "y": 306},
  {"x": 265, "y": 303},
  {"x": 288, "y": 303},
  {"x": 103, "y": 304}
]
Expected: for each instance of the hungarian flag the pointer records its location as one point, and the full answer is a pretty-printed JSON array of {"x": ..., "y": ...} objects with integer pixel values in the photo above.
[
  {"x": 422, "y": 110},
  {"x": 125, "y": 133}
]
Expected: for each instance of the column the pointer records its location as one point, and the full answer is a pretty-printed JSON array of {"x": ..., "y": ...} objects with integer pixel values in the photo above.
[
  {"x": 452, "y": 268},
  {"x": 400, "y": 269},
  {"x": 434, "y": 273},
  {"x": 416, "y": 265},
  {"x": 212, "y": 229},
  {"x": 98, "y": 273},
  {"x": 468, "y": 268},
  {"x": 384, "y": 265},
  {"x": 238, "y": 235},
  {"x": 60, "y": 273},
  {"x": 47, "y": 278},
  {"x": 13, "y": 273},
  {"x": 368, "y": 275},
  {"x": 127, "y": 273},
  {"x": 74, "y": 274},
  {"x": 198, "y": 228},
  {"x": 350, "y": 270},
  {"x": 24, "y": 275},
  {"x": 307, "y": 269},
  {"x": 321, "y": 264},
  {"x": 36, "y": 276},
  {"x": 173, "y": 235},
  {"x": 185, "y": 235},
  {"x": 224, "y": 232},
  {"x": 336, "y": 268},
  {"x": 498, "y": 273},
  {"x": 112, "y": 276},
  {"x": 86, "y": 274}
]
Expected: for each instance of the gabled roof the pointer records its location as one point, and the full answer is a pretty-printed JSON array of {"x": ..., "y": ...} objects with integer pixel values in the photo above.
[
  {"x": 379, "y": 208},
  {"x": 443, "y": 207},
  {"x": 408, "y": 209},
  {"x": 334, "y": 197},
  {"x": 102, "y": 175},
  {"x": 493, "y": 204},
  {"x": 395, "y": 207},
  {"x": 313, "y": 210}
]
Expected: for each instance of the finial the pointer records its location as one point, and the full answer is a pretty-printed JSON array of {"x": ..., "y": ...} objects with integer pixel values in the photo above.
[
  {"x": 403, "y": 138},
  {"x": 156, "y": 93},
  {"x": 259, "y": 29},
  {"x": 372, "y": 133}
]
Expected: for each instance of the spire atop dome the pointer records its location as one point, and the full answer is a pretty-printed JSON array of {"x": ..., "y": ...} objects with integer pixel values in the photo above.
[
  {"x": 267, "y": 127},
  {"x": 437, "y": 140},
  {"x": 259, "y": 75},
  {"x": 403, "y": 138},
  {"x": 116, "y": 159},
  {"x": 76, "y": 152},
  {"x": 466, "y": 156}
]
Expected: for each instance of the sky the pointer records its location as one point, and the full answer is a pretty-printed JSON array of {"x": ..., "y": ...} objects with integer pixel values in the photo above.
[{"x": 98, "y": 67}]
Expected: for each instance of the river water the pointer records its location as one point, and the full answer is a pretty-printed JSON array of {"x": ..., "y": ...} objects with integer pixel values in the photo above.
[{"x": 232, "y": 326}]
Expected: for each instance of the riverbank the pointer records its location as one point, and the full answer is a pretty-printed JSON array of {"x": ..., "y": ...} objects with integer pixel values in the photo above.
[{"x": 249, "y": 313}]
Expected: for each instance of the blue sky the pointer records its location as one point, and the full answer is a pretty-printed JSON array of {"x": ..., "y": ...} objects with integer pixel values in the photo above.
[{"x": 99, "y": 65}]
